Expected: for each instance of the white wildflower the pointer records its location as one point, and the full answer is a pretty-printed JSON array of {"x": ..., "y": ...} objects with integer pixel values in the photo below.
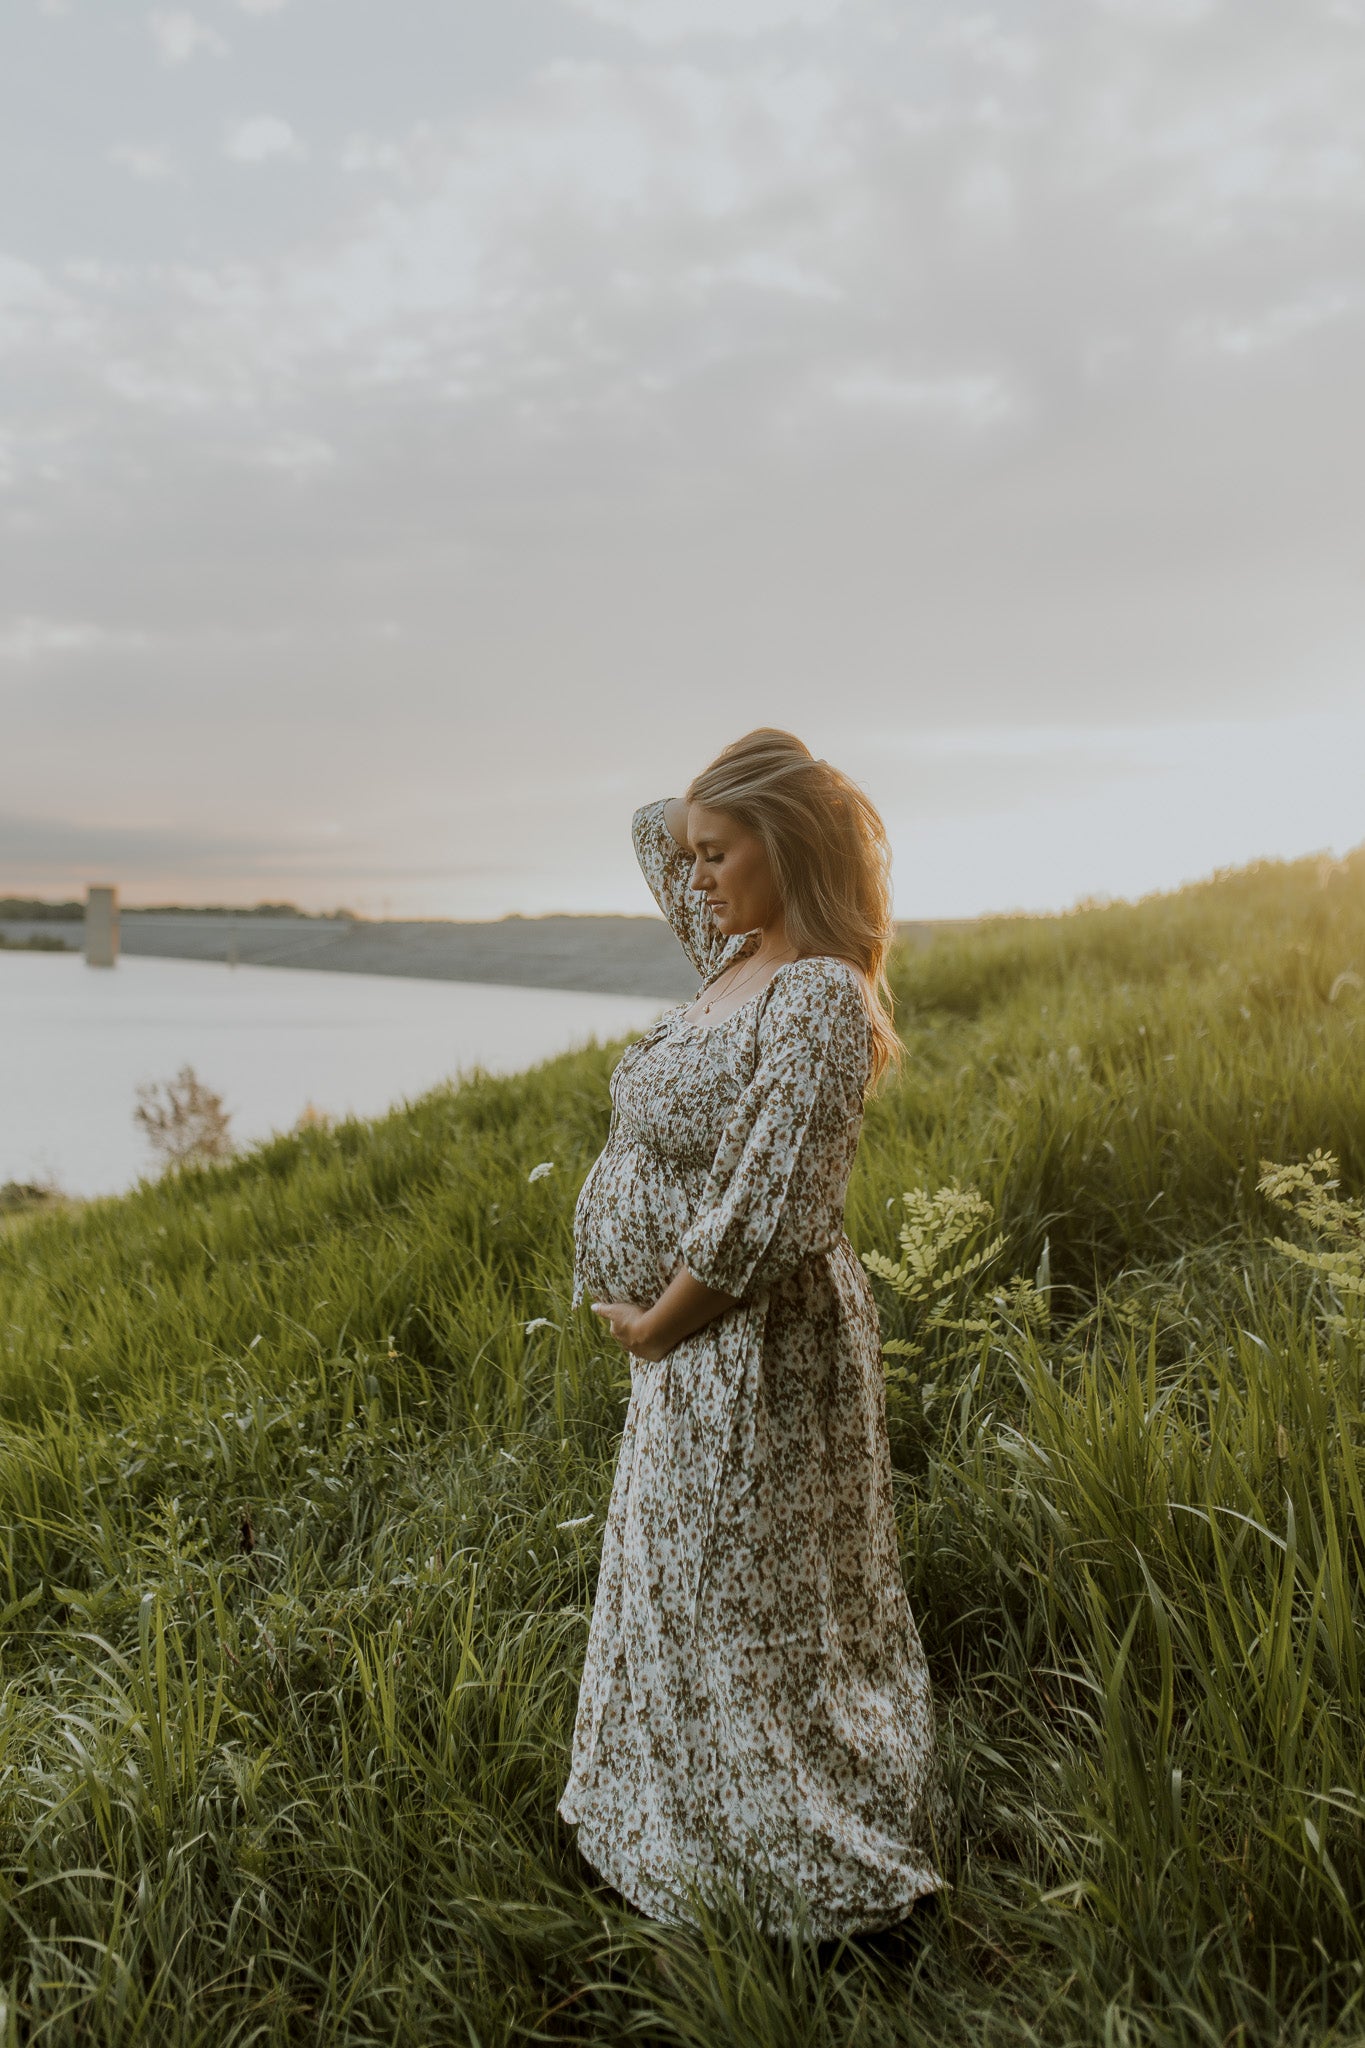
[
  {"x": 578, "y": 1522},
  {"x": 539, "y": 1172},
  {"x": 539, "y": 1323}
]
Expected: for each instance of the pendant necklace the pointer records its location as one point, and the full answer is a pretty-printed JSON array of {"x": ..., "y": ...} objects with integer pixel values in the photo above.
[{"x": 742, "y": 982}]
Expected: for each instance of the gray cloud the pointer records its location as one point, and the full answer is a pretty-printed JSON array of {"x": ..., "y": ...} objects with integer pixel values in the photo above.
[
  {"x": 260, "y": 138},
  {"x": 142, "y": 159},
  {"x": 674, "y": 21},
  {"x": 178, "y": 36},
  {"x": 28, "y": 640}
]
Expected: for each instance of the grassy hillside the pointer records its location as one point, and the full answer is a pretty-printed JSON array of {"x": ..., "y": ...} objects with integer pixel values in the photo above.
[{"x": 300, "y": 1524}]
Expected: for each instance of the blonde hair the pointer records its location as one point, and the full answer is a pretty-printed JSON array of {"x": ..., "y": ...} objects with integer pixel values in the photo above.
[{"x": 830, "y": 859}]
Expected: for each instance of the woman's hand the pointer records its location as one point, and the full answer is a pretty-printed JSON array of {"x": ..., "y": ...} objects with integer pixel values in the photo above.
[
  {"x": 686, "y": 1305},
  {"x": 630, "y": 1326}
]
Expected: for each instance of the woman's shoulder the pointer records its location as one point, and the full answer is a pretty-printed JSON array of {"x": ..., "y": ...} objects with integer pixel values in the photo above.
[
  {"x": 819, "y": 983},
  {"x": 820, "y": 969}
]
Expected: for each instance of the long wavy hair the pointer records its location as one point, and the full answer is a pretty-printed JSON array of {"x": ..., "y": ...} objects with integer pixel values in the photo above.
[{"x": 830, "y": 859}]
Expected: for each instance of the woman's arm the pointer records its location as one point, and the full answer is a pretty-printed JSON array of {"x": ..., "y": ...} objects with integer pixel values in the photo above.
[
  {"x": 659, "y": 833},
  {"x": 686, "y": 1305}
]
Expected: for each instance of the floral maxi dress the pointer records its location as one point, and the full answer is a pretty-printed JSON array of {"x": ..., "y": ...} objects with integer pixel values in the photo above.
[{"x": 754, "y": 1706}]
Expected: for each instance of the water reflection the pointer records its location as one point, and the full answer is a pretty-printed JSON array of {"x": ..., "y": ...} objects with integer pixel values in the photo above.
[{"x": 74, "y": 1046}]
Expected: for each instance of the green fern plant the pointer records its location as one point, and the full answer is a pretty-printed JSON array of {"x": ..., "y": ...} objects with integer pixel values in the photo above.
[
  {"x": 939, "y": 1275},
  {"x": 1306, "y": 1190},
  {"x": 931, "y": 1269}
]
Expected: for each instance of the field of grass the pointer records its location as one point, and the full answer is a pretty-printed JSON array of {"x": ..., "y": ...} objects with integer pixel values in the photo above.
[{"x": 300, "y": 1526}]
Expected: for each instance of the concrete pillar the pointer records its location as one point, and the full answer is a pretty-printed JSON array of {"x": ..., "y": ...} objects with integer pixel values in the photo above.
[{"x": 101, "y": 927}]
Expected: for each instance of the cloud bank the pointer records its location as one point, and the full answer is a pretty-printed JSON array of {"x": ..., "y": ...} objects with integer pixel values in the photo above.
[{"x": 470, "y": 435}]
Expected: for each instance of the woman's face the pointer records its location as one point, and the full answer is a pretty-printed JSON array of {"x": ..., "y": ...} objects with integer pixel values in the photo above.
[{"x": 730, "y": 867}]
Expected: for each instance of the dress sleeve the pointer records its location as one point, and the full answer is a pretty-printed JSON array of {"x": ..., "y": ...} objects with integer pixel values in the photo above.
[
  {"x": 666, "y": 868},
  {"x": 776, "y": 1189}
]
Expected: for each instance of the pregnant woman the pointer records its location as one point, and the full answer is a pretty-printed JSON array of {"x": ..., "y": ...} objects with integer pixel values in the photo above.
[{"x": 754, "y": 1706}]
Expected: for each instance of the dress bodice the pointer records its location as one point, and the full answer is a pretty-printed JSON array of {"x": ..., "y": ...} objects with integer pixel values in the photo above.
[
  {"x": 674, "y": 1090},
  {"x": 731, "y": 1143}
]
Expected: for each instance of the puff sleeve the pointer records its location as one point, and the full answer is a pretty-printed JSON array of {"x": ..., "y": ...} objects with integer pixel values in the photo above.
[
  {"x": 667, "y": 869},
  {"x": 776, "y": 1188}
]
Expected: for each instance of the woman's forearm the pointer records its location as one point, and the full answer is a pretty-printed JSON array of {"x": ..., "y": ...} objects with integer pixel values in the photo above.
[
  {"x": 685, "y": 1305},
  {"x": 675, "y": 817}
]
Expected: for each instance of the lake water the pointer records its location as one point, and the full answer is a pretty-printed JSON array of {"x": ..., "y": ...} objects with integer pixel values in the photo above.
[{"x": 75, "y": 1042}]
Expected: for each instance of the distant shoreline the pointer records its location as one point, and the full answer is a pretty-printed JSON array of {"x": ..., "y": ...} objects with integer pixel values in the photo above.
[{"x": 628, "y": 956}]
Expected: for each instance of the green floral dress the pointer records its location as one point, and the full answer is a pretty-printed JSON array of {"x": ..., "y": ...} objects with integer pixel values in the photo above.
[{"x": 754, "y": 1709}]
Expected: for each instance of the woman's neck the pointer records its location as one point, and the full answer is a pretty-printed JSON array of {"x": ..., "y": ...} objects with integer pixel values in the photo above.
[{"x": 774, "y": 947}]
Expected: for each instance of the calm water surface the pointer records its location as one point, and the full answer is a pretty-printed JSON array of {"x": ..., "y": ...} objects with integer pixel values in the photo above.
[{"x": 75, "y": 1042}]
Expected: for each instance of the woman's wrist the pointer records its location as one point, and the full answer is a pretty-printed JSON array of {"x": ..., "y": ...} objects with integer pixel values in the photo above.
[
  {"x": 685, "y": 1306},
  {"x": 675, "y": 821},
  {"x": 649, "y": 1335}
]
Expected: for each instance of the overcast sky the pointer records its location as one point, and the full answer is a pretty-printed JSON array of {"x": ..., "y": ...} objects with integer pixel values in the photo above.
[{"x": 432, "y": 427}]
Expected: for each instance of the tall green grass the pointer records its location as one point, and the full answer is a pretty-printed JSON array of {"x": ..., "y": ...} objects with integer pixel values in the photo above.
[{"x": 301, "y": 1522}]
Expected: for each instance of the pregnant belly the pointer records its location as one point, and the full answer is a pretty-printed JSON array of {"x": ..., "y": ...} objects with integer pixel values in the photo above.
[{"x": 629, "y": 1222}]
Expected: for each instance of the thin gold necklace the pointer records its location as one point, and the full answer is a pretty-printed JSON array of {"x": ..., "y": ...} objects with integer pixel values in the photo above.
[{"x": 742, "y": 982}]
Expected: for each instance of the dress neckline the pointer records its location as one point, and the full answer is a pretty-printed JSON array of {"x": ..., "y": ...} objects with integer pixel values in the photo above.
[
  {"x": 686, "y": 1024},
  {"x": 692, "y": 1024}
]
